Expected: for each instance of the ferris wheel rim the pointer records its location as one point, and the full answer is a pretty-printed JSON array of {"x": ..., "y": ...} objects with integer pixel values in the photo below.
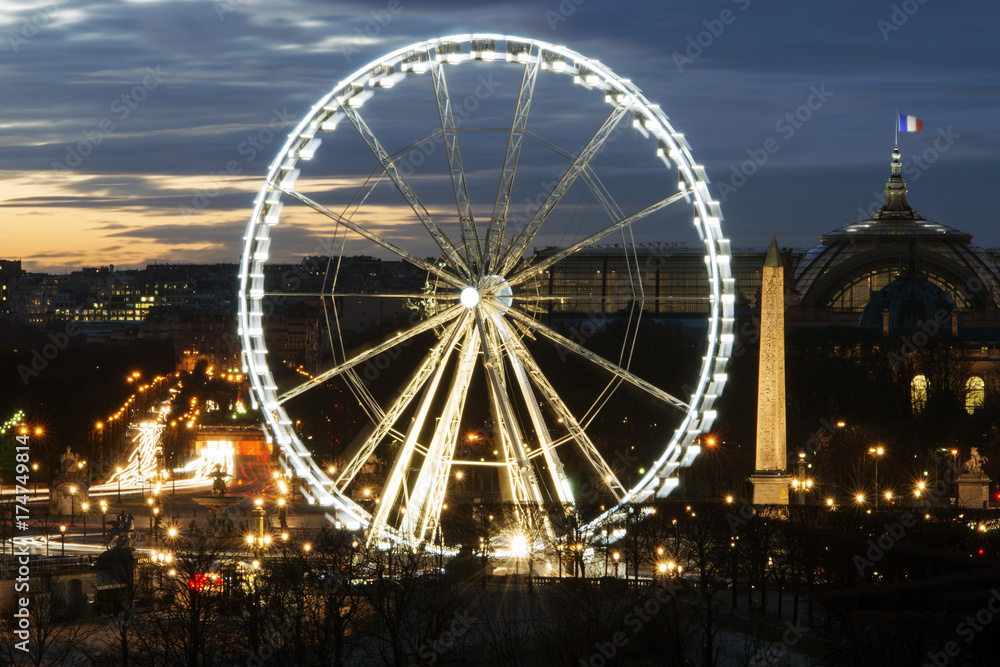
[{"x": 681, "y": 448}]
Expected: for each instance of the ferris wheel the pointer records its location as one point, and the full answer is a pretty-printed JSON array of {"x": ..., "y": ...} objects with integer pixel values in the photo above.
[{"x": 526, "y": 184}]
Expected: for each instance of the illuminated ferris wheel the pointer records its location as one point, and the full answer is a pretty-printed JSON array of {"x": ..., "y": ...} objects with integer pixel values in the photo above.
[{"x": 509, "y": 173}]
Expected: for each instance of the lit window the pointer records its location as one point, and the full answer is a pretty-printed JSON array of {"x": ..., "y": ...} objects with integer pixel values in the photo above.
[
  {"x": 975, "y": 394},
  {"x": 918, "y": 393}
]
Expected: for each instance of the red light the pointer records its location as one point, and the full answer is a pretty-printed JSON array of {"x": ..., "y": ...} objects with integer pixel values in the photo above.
[{"x": 981, "y": 551}]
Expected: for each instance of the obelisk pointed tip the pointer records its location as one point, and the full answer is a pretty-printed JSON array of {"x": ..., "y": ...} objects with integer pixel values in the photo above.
[{"x": 772, "y": 258}]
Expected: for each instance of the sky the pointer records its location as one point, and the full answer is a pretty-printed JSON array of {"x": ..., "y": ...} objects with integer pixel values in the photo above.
[{"x": 118, "y": 119}]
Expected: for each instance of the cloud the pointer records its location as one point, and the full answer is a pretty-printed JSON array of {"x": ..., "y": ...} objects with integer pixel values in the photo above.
[{"x": 229, "y": 64}]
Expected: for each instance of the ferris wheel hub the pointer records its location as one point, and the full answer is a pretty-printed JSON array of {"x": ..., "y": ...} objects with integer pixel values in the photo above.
[{"x": 469, "y": 297}]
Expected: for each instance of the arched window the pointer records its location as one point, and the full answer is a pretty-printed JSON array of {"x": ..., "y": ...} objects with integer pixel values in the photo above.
[
  {"x": 975, "y": 394},
  {"x": 918, "y": 393}
]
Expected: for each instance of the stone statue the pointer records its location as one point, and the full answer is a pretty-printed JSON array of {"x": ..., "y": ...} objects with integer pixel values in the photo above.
[
  {"x": 219, "y": 485},
  {"x": 122, "y": 532},
  {"x": 975, "y": 462},
  {"x": 69, "y": 462}
]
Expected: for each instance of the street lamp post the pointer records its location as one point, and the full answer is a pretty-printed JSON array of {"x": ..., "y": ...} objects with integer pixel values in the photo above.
[
  {"x": 104, "y": 510},
  {"x": 84, "y": 506},
  {"x": 149, "y": 502},
  {"x": 62, "y": 529},
  {"x": 72, "y": 504},
  {"x": 119, "y": 470},
  {"x": 876, "y": 452},
  {"x": 34, "y": 469},
  {"x": 616, "y": 556}
]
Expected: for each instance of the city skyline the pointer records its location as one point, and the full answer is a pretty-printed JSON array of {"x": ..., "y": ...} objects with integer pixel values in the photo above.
[{"x": 162, "y": 96}]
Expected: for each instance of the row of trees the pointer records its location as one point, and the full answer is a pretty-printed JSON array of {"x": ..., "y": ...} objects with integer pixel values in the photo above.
[{"x": 727, "y": 577}]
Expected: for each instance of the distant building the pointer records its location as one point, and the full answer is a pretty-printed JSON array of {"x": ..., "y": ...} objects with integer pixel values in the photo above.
[{"x": 10, "y": 274}]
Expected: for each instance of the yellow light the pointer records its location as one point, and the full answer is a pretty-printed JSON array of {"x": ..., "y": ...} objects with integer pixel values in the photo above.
[
  {"x": 829, "y": 501},
  {"x": 729, "y": 499},
  {"x": 663, "y": 567},
  {"x": 307, "y": 546},
  {"x": 458, "y": 475},
  {"x": 860, "y": 498},
  {"x": 249, "y": 539}
]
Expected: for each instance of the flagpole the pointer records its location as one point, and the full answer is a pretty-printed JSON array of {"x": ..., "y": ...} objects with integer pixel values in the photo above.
[{"x": 897, "y": 129}]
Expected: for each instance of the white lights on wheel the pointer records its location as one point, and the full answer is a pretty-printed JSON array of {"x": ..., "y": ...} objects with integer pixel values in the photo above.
[{"x": 482, "y": 282}]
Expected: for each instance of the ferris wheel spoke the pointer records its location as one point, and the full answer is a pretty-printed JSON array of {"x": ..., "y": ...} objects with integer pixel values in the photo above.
[
  {"x": 443, "y": 296},
  {"x": 531, "y": 369},
  {"x": 522, "y": 482},
  {"x": 427, "y": 497},
  {"x": 498, "y": 222},
  {"x": 529, "y": 298},
  {"x": 597, "y": 360},
  {"x": 396, "y": 484},
  {"x": 451, "y": 254},
  {"x": 449, "y": 278},
  {"x": 357, "y": 455},
  {"x": 595, "y": 184},
  {"x": 516, "y": 356},
  {"x": 535, "y": 269},
  {"x": 518, "y": 245},
  {"x": 467, "y": 223},
  {"x": 428, "y": 324}
]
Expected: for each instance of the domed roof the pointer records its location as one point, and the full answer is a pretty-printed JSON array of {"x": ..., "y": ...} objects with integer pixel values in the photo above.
[
  {"x": 910, "y": 300},
  {"x": 852, "y": 262}
]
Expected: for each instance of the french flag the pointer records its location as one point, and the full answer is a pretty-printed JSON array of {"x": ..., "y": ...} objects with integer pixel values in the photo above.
[{"x": 910, "y": 123}]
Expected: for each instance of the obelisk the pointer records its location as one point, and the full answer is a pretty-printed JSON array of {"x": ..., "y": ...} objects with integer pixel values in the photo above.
[{"x": 771, "y": 479}]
